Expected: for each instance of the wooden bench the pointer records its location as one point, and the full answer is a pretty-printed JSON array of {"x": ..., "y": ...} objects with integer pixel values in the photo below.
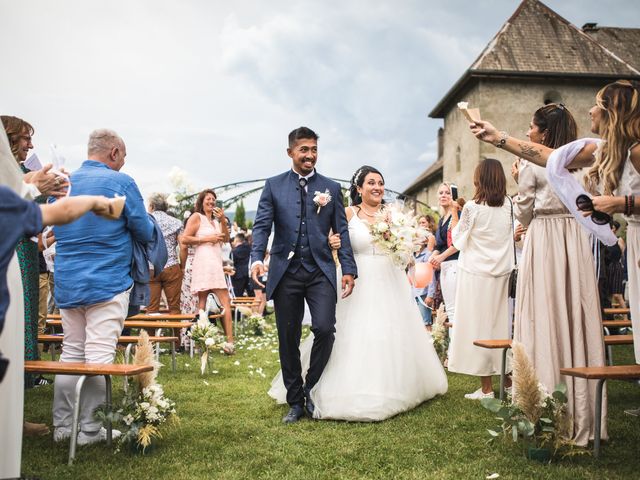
[
  {"x": 85, "y": 370},
  {"x": 616, "y": 324},
  {"x": 129, "y": 341},
  {"x": 505, "y": 345},
  {"x": 602, "y": 374},
  {"x": 157, "y": 325},
  {"x": 616, "y": 311}
]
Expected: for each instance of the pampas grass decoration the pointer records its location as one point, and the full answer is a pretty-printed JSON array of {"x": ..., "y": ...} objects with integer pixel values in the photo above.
[
  {"x": 145, "y": 356},
  {"x": 525, "y": 382}
]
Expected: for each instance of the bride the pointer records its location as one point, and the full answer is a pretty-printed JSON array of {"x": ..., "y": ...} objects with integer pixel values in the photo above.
[{"x": 383, "y": 361}]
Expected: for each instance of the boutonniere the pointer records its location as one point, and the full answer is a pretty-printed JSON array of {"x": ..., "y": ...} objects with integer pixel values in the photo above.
[{"x": 321, "y": 199}]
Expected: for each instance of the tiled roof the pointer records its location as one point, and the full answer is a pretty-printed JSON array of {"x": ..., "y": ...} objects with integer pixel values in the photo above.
[
  {"x": 536, "y": 41},
  {"x": 623, "y": 42}
]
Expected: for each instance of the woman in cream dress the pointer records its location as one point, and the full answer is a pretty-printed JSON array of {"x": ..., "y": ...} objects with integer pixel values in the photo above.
[
  {"x": 485, "y": 240},
  {"x": 557, "y": 271}
]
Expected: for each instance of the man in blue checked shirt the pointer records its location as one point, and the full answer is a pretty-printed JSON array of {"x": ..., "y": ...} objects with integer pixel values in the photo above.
[{"x": 93, "y": 280}]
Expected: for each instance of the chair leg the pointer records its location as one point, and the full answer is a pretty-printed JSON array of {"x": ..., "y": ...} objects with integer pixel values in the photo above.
[
  {"x": 127, "y": 357},
  {"x": 107, "y": 380},
  {"x": 173, "y": 356},
  {"x": 503, "y": 373},
  {"x": 76, "y": 418},
  {"x": 598, "y": 419}
]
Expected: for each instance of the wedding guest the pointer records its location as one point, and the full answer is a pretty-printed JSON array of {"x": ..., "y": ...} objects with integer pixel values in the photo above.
[
  {"x": 18, "y": 218},
  {"x": 170, "y": 279},
  {"x": 614, "y": 270},
  {"x": 558, "y": 258},
  {"x": 485, "y": 241},
  {"x": 445, "y": 255},
  {"x": 425, "y": 294},
  {"x": 614, "y": 171},
  {"x": 241, "y": 254},
  {"x": 207, "y": 229},
  {"x": 20, "y": 133},
  {"x": 96, "y": 254},
  {"x": 188, "y": 301}
]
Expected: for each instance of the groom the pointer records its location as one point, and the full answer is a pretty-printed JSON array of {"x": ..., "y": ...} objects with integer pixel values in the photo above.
[{"x": 303, "y": 206}]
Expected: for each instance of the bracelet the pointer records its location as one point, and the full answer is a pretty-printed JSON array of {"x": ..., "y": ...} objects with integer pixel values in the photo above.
[
  {"x": 629, "y": 204},
  {"x": 502, "y": 140}
]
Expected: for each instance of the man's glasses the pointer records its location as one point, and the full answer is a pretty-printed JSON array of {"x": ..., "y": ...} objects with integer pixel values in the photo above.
[{"x": 585, "y": 204}]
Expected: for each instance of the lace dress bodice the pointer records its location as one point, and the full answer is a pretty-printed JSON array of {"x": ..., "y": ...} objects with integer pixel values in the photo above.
[{"x": 360, "y": 236}]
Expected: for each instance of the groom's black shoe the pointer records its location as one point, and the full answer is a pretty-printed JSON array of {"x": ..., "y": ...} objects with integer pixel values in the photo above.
[
  {"x": 296, "y": 412},
  {"x": 309, "y": 406}
]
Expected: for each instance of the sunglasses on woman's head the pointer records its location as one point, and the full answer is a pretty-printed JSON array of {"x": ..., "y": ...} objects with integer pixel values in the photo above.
[{"x": 585, "y": 204}]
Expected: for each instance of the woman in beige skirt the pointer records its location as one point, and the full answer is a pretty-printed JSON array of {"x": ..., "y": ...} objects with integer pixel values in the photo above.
[{"x": 557, "y": 316}]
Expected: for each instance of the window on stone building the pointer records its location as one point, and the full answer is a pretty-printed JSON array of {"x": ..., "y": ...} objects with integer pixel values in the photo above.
[
  {"x": 552, "y": 97},
  {"x": 458, "y": 161}
]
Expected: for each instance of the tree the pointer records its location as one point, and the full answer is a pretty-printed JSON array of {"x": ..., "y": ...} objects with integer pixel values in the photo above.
[{"x": 239, "y": 216}]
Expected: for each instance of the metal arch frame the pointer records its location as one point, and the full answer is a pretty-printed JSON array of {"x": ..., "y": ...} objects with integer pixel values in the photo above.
[{"x": 343, "y": 183}]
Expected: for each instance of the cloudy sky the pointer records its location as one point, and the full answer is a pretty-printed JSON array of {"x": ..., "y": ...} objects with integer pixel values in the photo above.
[{"x": 214, "y": 87}]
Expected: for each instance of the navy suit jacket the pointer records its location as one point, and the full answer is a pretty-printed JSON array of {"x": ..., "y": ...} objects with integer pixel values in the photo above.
[{"x": 280, "y": 206}]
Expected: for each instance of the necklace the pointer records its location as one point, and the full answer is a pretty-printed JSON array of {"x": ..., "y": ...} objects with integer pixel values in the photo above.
[{"x": 371, "y": 215}]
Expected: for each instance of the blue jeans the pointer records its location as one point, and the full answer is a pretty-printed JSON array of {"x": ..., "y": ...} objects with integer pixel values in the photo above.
[{"x": 424, "y": 311}]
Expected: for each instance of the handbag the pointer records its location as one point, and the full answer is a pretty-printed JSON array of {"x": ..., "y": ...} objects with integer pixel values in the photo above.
[
  {"x": 213, "y": 304},
  {"x": 513, "y": 275}
]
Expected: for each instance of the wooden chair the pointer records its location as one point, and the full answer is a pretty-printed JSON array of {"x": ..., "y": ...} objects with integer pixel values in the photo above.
[
  {"x": 85, "y": 370},
  {"x": 602, "y": 374}
]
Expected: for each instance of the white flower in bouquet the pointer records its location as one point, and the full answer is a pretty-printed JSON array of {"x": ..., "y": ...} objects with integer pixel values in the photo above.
[{"x": 396, "y": 232}]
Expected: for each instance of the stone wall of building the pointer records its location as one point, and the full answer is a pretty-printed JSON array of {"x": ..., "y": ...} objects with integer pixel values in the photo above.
[{"x": 509, "y": 104}]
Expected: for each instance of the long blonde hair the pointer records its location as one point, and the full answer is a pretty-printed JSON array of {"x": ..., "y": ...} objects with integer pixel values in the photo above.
[{"x": 619, "y": 129}]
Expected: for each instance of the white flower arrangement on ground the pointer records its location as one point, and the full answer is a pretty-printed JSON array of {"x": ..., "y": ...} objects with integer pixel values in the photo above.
[
  {"x": 254, "y": 322},
  {"x": 144, "y": 407},
  {"x": 206, "y": 336},
  {"x": 397, "y": 233}
]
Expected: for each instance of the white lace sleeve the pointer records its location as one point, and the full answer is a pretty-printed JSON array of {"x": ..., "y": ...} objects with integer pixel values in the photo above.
[{"x": 462, "y": 230}]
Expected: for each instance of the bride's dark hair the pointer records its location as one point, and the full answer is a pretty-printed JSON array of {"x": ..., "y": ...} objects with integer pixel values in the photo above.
[{"x": 358, "y": 180}]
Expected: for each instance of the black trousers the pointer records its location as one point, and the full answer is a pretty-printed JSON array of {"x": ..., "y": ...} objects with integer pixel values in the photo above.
[
  {"x": 289, "y": 297},
  {"x": 241, "y": 285}
]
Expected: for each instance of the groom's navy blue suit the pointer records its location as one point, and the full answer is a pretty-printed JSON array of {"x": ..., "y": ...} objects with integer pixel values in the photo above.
[{"x": 302, "y": 267}]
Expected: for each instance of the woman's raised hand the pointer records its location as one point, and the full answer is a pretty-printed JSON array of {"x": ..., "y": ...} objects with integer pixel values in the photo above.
[{"x": 485, "y": 131}]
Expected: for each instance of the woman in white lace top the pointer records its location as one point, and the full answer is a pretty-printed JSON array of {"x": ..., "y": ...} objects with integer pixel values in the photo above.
[{"x": 485, "y": 240}]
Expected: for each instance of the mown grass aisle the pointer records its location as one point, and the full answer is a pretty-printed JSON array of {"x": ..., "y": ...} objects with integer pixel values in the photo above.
[{"x": 230, "y": 429}]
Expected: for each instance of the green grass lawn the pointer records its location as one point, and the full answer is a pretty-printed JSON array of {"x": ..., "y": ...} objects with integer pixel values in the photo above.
[{"x": 231, "y": 429}]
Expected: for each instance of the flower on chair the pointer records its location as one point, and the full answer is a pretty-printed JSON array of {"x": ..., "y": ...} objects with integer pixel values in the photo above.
[{"x": 321, "y": 199}]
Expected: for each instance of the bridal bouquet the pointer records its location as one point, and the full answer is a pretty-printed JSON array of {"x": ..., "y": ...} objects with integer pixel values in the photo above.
[
  {"x": 144, "y": 407},
  {"x": 397, "y": 233},
  {"x": 205, "y": 335}
]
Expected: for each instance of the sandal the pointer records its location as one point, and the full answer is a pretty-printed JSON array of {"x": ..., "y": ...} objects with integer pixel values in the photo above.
[{"x": 228, "y": 348}]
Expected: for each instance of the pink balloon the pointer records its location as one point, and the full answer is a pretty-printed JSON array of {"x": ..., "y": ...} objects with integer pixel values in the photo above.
[{"x": 423, "y": 274}]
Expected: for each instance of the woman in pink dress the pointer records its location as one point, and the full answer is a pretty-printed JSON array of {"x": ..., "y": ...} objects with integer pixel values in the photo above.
[{"x": 207, "y": 230}]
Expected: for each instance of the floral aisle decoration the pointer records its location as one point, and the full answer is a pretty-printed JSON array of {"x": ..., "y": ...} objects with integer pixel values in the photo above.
[
  {"x": 255, "y": 323},
  {"x": 144, "y": 407},
  {"x": 533, "y": 415},
  {"x": 440, "y": 333},
  {"x": 206, "y": 336},
  {"x": 397, "y": 233}
]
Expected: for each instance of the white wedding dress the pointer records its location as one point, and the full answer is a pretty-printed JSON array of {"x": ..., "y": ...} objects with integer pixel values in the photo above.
[{"x": 383, "y": 361}]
